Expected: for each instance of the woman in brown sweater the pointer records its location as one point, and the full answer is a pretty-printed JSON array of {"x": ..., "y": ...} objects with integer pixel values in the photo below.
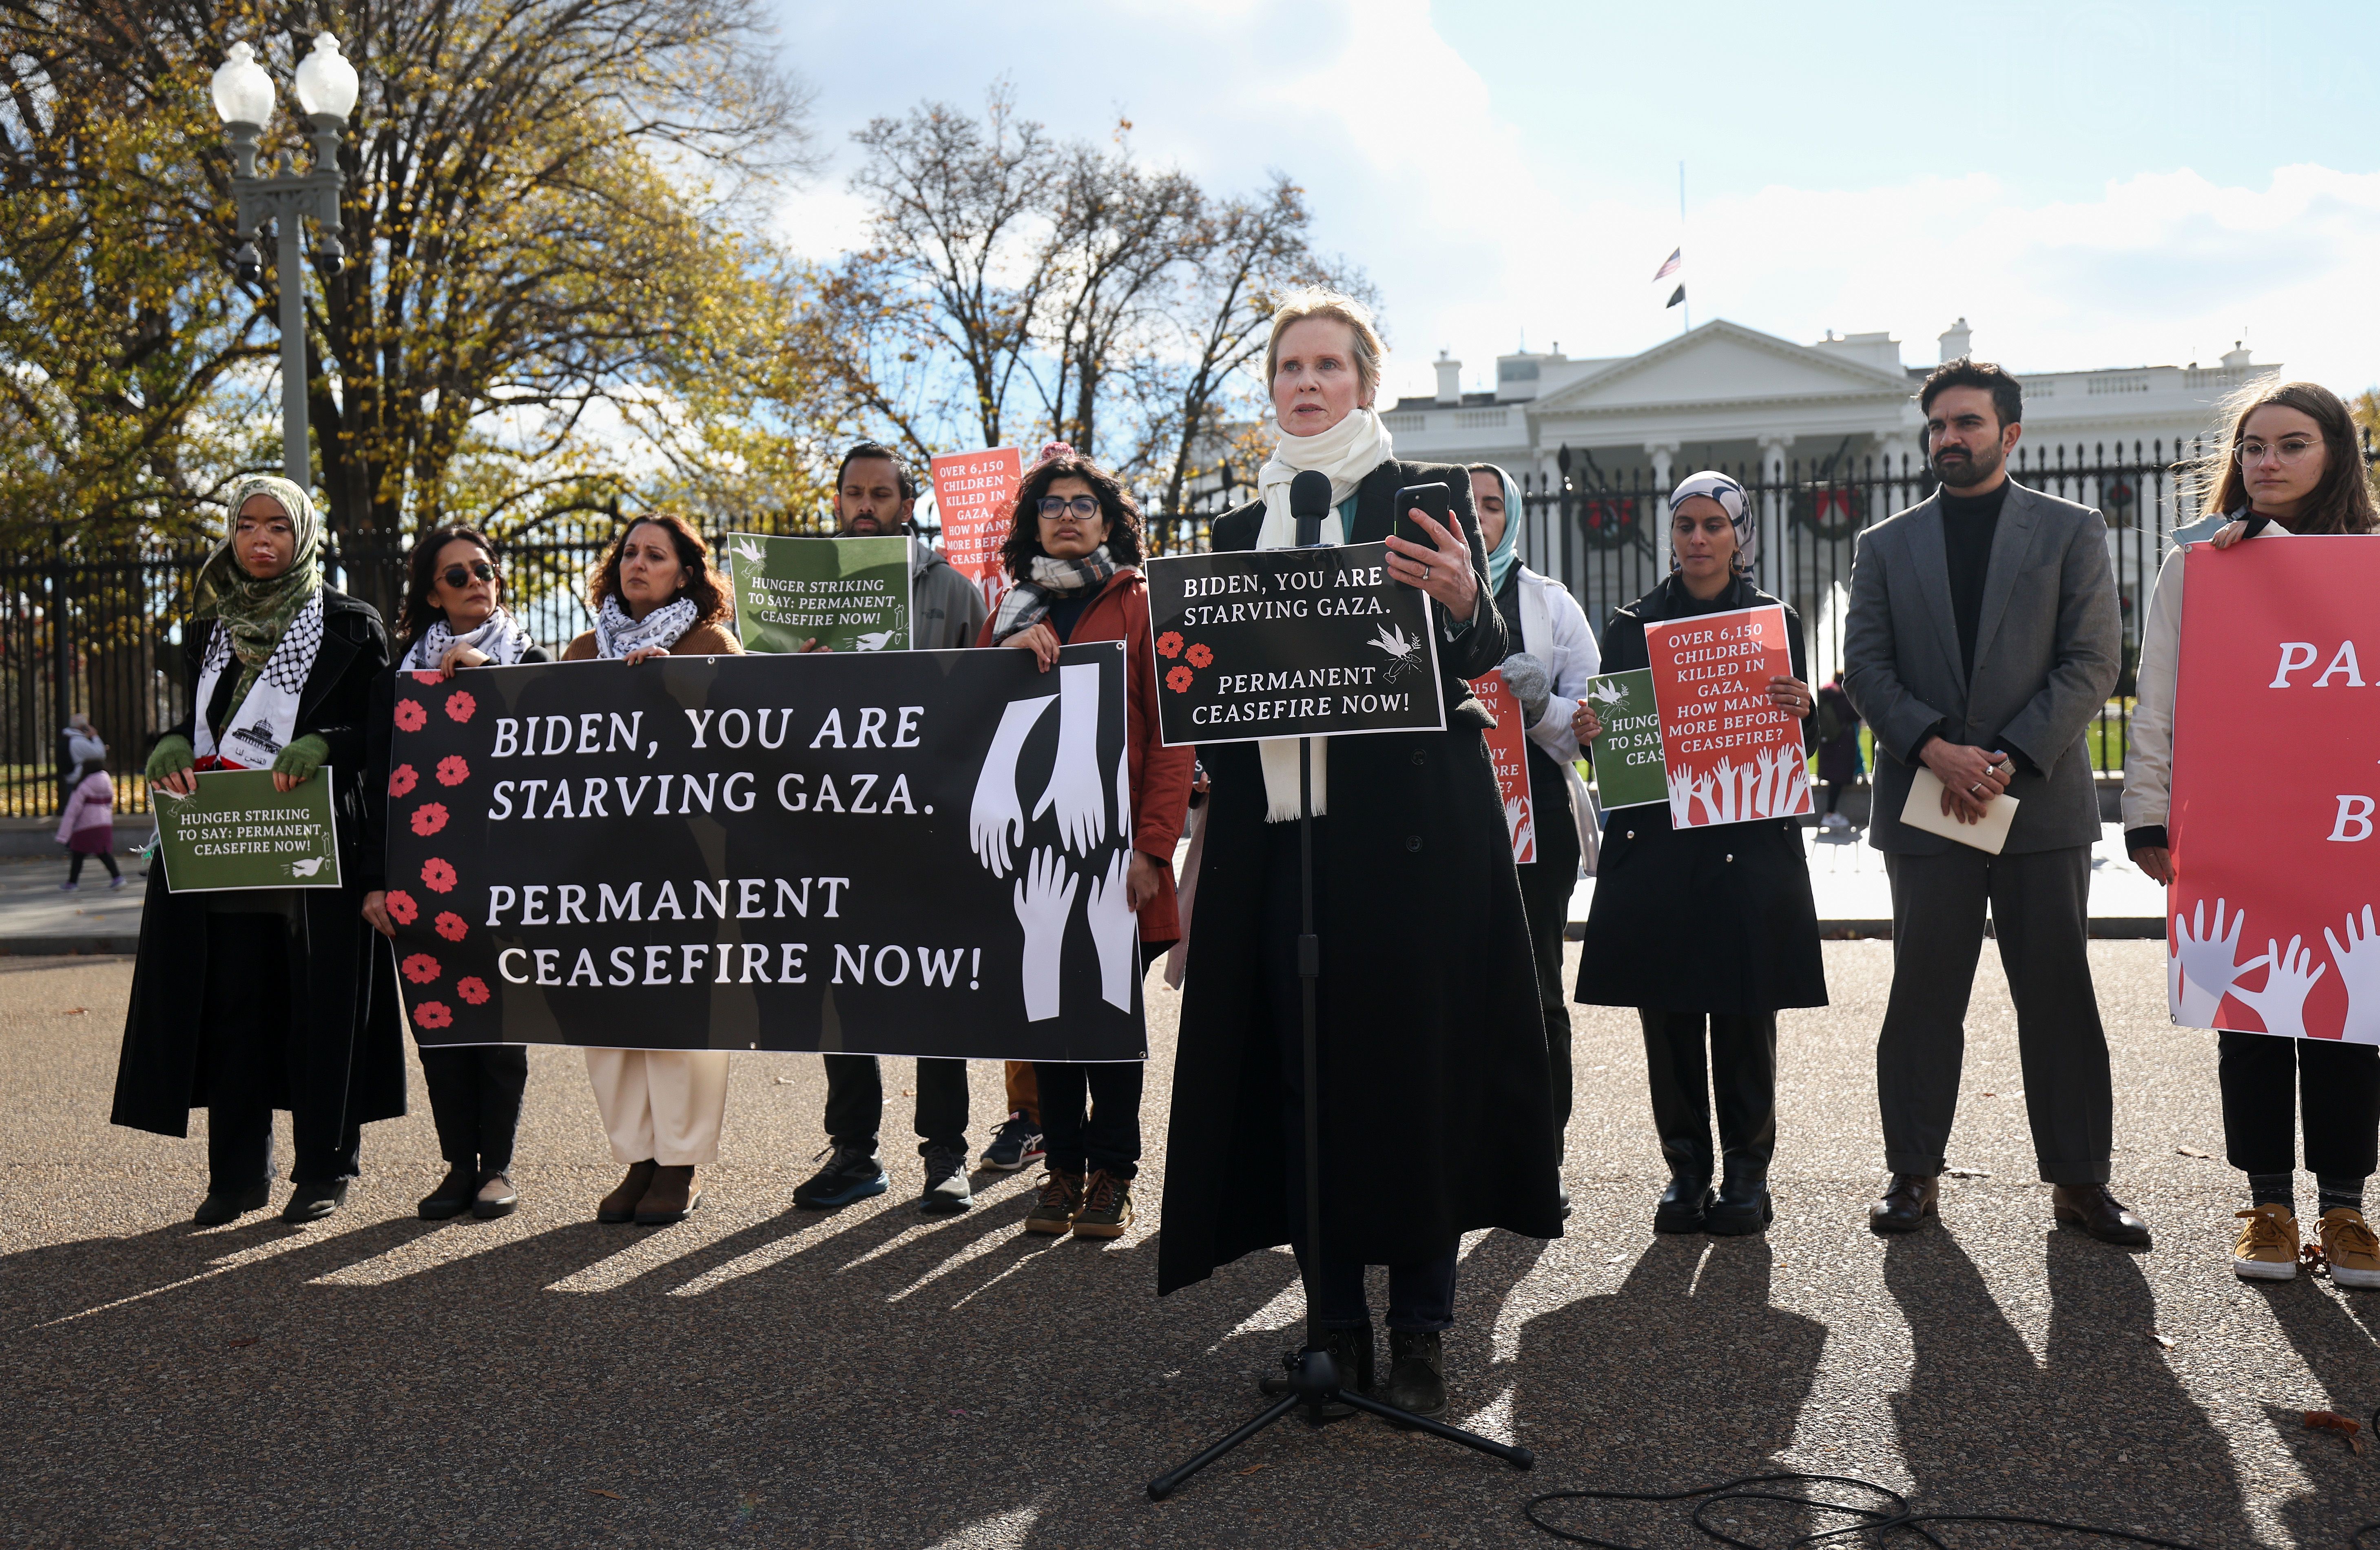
[{"x": 655, "y": 595}]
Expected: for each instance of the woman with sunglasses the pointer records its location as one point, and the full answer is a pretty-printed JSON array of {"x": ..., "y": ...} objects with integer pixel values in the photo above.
[{"x": 454, "y": 619}]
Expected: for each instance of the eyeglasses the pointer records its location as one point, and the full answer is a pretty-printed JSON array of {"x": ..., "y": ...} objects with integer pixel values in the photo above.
[
  {"x": 462, "y": 575},
  {"x": 2288, "y": 449},
  {"x": 1058, "y": 505}
]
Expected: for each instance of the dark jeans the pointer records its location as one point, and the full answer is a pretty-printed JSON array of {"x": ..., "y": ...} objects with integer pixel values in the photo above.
[
  {"x": 1110, "y": 1137},
  {"x": 75, "y": 860},
  {"x": 2039, "y": 902},
  {"x": 1834, "y": 790},
  {"x": 474, "y": 1098},
  {"x": 1421, "y": 1295},
  {"x": 2267, "y": 1082},
  {"x": 1741, "y": 1067},
  {"x": 855, "y": 1102}
]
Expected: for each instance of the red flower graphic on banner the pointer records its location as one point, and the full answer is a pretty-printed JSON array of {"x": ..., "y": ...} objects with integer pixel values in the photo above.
[
  {"x": 429, "y": 819},
  {"x": 452, "y": 770},
  {"x": 1179, "y": 678},
  {"x": 428, "y": 677},
  {"x": 1169, "y": 644},
  {"x": 473, "y": 989},
  {"x": 451, "y": 925},
  {"x": 420, "y": 968},
  {"x": 400, "y": 780},
  {"x": 1200, "y": 655},
  {"x": 410, "y": 717},
  {"x": 400, "y": 906},
  {"x": 437, "y": 876},
  {"x": 459, "y": 706},
  {"x": 433, "y": 1014}
]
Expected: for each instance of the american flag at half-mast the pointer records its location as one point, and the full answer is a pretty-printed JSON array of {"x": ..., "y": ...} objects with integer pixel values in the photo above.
[{"x": 1670, "y": 266}]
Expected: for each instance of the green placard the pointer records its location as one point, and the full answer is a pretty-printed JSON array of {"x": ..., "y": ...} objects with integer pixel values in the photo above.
[
  {"x": 846, "y": 594},
  {"x": 237, "y": 831},
  {"x": 1628, "y": 767}
]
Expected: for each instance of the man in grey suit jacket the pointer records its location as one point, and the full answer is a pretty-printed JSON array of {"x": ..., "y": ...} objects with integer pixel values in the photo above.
[{"x": 1983, "y": 640}]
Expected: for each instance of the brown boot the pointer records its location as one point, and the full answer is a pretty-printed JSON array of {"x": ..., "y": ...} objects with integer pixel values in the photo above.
[
  {"x": 1107, "y": 1206},
  {"x": 1061, "y": 1198},
  {"x": 674, "y": 1195},
  {"x": 619, "y": 1205}
]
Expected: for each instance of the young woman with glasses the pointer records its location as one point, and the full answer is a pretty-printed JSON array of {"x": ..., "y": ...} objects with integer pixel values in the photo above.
[
  {"x": 454, "y": 619},
  {"x": 1074, "y": 551},
  {"x": 2291, "y": 466}
]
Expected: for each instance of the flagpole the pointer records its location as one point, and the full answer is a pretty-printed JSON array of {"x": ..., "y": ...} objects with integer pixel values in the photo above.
[{"x": 1686, "y": 314}]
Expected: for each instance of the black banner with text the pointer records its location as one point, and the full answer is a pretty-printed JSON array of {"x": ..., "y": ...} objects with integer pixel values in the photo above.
[
  {"x": 914, "y": 853},
  {"x": 1290, "y": 643}
]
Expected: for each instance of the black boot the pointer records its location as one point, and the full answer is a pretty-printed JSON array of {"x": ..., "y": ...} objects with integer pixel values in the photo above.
[
  {"x": 1683, "y": 1203},
  {"x": 314, "y": 1199},
  {"x": 1351, "y": 1354},
  {"x": 1743, "y": 1206},
  {"x": 1417, "y": 1373},
  {"x": 222, "y": 1206},
  {"x": 453, "y": 1196}
]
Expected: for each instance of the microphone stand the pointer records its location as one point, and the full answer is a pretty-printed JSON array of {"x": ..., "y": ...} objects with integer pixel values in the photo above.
[{"x": 1314, "y": 1380}]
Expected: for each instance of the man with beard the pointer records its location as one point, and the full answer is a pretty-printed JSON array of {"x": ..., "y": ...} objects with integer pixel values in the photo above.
[
  {"x": 873, "y": 497},
  {"x": 1983, "y": 640}
]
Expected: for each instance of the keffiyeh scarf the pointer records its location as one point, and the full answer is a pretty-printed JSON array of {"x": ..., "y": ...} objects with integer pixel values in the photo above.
[
  {"x": 499, "y": 637},
  {"x": 264, "y": 704},
  {"x": 1028, "y": 602},
  {"x": 616, "y": 635}
]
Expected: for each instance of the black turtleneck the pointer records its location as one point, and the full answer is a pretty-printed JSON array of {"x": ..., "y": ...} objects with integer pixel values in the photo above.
[{"x": 1968, "y": 524}]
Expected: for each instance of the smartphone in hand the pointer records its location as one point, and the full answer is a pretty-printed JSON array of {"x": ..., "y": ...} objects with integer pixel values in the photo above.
[{"x": 1434, "y": 499}]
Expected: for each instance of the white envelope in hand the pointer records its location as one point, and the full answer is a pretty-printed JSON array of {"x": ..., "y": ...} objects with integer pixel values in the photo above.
[{"x": 1923, "y": 810}]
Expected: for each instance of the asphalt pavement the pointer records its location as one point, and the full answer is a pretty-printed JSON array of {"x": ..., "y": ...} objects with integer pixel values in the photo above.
[{"x": 873, "y": 1377}]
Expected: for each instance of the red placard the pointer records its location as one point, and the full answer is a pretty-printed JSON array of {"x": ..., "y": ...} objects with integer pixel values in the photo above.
[
  {"x": 2277, "y": 791},
  {"x": 1508, "y": 746},
  {"x": 974, "y": 491},
  {"x": 1732, "y": 754}
]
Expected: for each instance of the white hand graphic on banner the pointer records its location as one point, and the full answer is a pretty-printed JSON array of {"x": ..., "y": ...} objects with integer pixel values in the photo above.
[
  {"x": 1109, "y": 913},
  {"x": 2281, "y": 1003},
  {"x": 997, "y": 809},
  {"x": 1074, "y": 779},
  {"x": 1124, "y": 796},
  {"x": 2202, "y": 971},
  {"x": 1043, "y": 908},
  {"x": 2359, "y": 970}
]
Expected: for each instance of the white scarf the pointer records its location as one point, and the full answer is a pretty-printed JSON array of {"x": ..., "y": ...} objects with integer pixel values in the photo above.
[
  {"x": 499, "y": 638},
  {"x": 1346, "y": 451},
  {"x": 616, "y": 635},
  {"x": 266, "y": 721}
]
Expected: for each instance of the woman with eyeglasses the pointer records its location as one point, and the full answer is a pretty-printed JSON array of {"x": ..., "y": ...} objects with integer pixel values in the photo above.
[
  {"x": 1074, "y": 549},
  {"x": 454, "y": 619},
  {"x": 2290, "y": 467}
]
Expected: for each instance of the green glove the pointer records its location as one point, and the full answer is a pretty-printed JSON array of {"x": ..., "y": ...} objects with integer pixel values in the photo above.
[
  {"x": 302, "y": 758},
  {"x": 170, "y": 757}
]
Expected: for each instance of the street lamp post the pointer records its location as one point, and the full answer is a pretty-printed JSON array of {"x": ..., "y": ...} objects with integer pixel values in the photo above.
[{"x": 326, "y": 88}]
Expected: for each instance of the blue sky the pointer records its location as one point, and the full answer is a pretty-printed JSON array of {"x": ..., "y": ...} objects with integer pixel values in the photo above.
[{"x": 2088, "y": 184}]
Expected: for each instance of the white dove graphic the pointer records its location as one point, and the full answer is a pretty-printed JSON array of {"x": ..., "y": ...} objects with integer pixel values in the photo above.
[
  {"x": 306, "y": 869},
  {"x": 746, "y": 549}
]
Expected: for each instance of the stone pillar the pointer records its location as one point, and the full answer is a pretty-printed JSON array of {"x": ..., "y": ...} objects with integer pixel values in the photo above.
[
  {"x": 1658, "y": 513},
  {"x": 1769, "y": 568},
  {"x": 1890, "y": 494}
]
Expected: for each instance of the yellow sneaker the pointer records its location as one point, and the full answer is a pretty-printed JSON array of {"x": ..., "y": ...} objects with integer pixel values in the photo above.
[
  {"x": 2348, "y": 1244},
  {"x": 2268, "y": 1249}
]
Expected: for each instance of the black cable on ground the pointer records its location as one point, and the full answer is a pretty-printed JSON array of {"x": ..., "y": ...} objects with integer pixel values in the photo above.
[{"x": 1874, "y": 1521}]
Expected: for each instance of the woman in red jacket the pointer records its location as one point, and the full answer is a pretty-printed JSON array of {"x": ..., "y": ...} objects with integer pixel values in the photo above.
[{"x": 1072, "y": 550}]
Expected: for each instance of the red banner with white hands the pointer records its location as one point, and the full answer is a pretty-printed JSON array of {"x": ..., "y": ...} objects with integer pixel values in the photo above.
[{"x": 2275, "y": 784}]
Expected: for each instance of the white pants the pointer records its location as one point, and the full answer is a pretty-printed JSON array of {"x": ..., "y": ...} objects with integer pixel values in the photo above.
[{"x": 662, "y": 1105}]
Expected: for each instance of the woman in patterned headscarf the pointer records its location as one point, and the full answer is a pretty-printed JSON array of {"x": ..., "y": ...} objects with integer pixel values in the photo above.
[
  {"x": 294, "y": 1008},
  {"x": 1709, "y": 926}
]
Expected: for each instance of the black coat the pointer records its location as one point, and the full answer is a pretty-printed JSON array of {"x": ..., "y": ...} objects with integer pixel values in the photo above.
[
  {"x": 343, "y": 979},
  {"x": 1717, "y": 919},
  {"x": 1436, "y": 1113}
]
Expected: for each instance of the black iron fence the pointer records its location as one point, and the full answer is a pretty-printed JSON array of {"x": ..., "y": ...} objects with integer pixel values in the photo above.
[{"x": 101, "y": 633}]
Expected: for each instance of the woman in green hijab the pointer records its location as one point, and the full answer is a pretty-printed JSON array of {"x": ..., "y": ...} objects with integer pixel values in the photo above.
[{"x": 252, "y": 999}]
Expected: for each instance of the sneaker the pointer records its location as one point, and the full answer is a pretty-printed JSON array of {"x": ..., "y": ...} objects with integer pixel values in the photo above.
[
  {"x": 2268, "y": 1249},
  {"x": 947, "y": 1190},
  {"x": 69, "y": 887},
  {"x": 2348, "y": 1246},
  {"x": 1016, "y": 1144},
  {"x": 1834, "y": 821},
  {"x": 853, "y": 1173},
  {"x": 114, "y": 883},
  {"x": 1107, "y": 1206},
  {"x": 1062, "y": 1197}
]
